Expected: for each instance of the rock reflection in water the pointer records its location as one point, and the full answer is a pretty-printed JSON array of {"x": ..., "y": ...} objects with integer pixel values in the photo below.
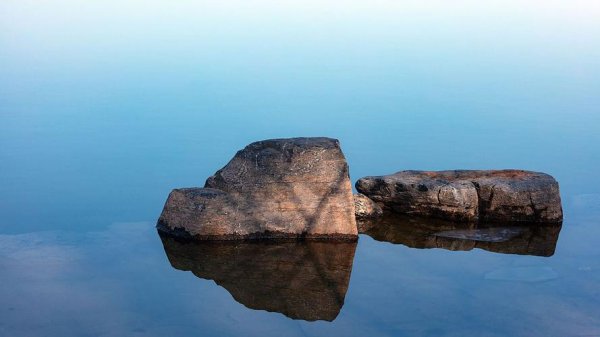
[
  {"x": 539, "y": 240},
  {"x": 304, "y": 280}
]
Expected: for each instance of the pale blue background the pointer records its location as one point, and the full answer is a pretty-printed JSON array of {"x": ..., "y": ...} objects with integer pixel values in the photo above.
[{"x": 107, "y": 105}]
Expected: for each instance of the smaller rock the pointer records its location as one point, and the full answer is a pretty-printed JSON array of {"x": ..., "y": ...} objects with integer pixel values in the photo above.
[
  {"x": 365, "y": 207},
  {"x": 468, "y": 195}
]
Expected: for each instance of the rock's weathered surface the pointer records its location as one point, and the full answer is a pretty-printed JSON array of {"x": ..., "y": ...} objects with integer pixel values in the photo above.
[
  {"x": 469, "y": 195},
  {"x": 365, "y": 207},
  {"x": 302, "y": 280},
  {"x": 416, "y": 232},
  {"x": 280, "y": 188}
]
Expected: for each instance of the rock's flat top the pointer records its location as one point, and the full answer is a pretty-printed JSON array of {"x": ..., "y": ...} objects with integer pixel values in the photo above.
[
  {"x": 282, "y": 161},
  {"x": 279, "y": 188},
  {"x": 468, "y": 195},
  {"x": 302, "y": 280}
]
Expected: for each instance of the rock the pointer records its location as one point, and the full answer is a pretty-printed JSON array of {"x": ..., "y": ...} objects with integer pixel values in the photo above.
[
  {"x": 503, "y": 195},
  {"x": 280, "y": 188},
  {"x": 365, "y": 207},
  {"x": 416, "y": 232},
  {"x": 492, "y": 234},
  {"x": 304, "y": 280}
]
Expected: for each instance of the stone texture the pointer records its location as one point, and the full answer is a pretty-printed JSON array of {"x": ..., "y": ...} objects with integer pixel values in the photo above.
[
  {"x": 301, "y": 279},
  {"x": 422, "y": 233},
  {"x": 280, "y": 188},
  {"x": 365, "y": 207},
  {"x": 469, "y": 195}
]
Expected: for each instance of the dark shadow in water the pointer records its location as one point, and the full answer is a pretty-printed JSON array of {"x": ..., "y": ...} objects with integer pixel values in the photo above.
[
  {"x": 537, "y": 239},
  {"x": 304, "y": 280}
]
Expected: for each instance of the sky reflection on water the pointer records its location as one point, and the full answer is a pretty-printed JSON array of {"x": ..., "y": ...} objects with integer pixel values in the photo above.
[{"x": 120, "y": 282}]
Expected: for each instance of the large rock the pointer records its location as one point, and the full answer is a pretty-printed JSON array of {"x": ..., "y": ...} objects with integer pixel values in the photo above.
[
  {"x": 302, "y": 280},
  {"x": 280, "y": 188},
  {"x": 503, "y": 195}
]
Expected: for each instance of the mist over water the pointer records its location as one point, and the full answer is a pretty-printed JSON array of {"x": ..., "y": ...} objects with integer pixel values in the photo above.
[{"x": 106, "y": 105}]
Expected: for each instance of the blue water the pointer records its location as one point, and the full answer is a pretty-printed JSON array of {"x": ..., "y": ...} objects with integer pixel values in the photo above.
[{"x": 106, "y": 106}]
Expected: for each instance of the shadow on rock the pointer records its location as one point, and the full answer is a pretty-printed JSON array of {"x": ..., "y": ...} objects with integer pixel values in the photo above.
[
  {"x": 304, "y": 280},
  {"x": 538, "y": 240}
]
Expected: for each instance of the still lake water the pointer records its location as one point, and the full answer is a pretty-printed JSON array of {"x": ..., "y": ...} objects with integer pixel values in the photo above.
[{"x": 106, "y": 106}]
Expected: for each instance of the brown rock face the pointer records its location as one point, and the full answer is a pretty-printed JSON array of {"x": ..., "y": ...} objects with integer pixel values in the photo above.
[
  {"x": 503, "y": 195},
  {"x": 303, "y": 280},
  {"x": 280, "y": 188},
  {"x": 365, "y": 207},
  {"x": 423, "y": 233}
]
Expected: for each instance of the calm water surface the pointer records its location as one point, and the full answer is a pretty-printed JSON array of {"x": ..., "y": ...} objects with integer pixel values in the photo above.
[{"x": 106, "y": 106}]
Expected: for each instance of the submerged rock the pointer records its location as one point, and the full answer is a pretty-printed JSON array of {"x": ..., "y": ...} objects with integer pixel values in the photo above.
[
  {"x": 470, "y": 195},
  {"x": 492, "y": 234},
  {"x": 417, "y": 232},
  {"x": 302, "y": 280},
  {"x": 279, "y": 188},
  {"x": 365, "y": 207}
]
